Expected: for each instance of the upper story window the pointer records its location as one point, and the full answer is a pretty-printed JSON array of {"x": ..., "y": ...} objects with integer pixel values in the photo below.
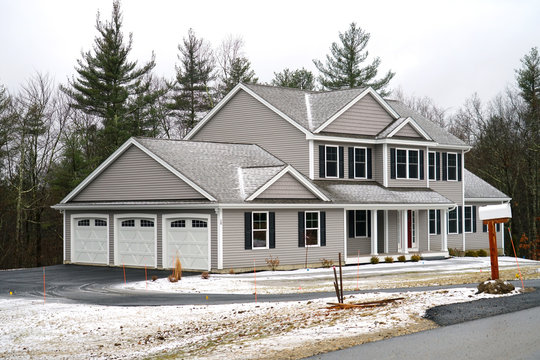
[
  {"x": 360, "y": 163},
  {"x": 432, "y": 166},
  {"x": 312, "y": 228},
  {"x": 260, "y": 230},
  {"x": 407, "y": 164},
  {"x": 332, "y": 162},
  {"x": 452, "y": 166}
]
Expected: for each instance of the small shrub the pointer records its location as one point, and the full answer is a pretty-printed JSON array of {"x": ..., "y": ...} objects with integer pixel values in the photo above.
[
  {"x": 402, "y": 258},
  {"x": 154, "y": 277},
  {"x": 471, "y": 253},
  {"x": 272, "y": 262},
  {"x": 231, "y": 272},
  {"x": 327, "y": 262},
  {"x": 374, "y": 260},
  {"x": 416, "y": 258},
  {"x": 452, "y": 252},
  {"x": 172, "y": 278},
  {"x": 482, "y": 253},
  {"x": 205, "y": 275},
  {"x": 389, "y": 259}
]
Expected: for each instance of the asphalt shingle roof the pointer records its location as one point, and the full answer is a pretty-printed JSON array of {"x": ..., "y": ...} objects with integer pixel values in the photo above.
[{"x": 476, "y": 188}]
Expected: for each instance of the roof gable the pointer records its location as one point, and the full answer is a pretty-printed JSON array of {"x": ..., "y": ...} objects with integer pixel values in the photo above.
[{"x": 408, "y": 131}]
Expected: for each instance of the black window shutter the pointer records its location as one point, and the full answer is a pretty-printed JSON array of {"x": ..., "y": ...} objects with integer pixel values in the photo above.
[
  {"x": 459, "y": 166},
  {"x": 322, "y": 219},
  {"x": 421, "y": 160},
  {"x": 444, "y": 169},
  {"x": 369, "y": 170},
  {"x": 272, "y": 234},
  {"x": 368, "y": 220},
  {"x": 341, "y": 167},
  {"x": 438, "y": 166},
  {"x": 301, "y": 242},
  {"x": 322, "y": 161},
  {"x": 438, "y": 222},
  {"x": 351, "y": 163},
  {"x": 350, "y": 214},
  {"x": 247, "y": 230},
  {"x": 460, "y": 219},
  {"x": 497, "y": 227},
  {"x": 392, "y": 163},
  {"x": 484, "y": 227}
]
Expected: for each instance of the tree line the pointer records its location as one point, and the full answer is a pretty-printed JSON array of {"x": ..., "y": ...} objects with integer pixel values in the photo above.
[{"x": 52, "y": 137}]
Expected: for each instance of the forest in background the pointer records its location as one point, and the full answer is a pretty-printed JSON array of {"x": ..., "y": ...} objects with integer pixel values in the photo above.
[{"x": 53, "y": 135}]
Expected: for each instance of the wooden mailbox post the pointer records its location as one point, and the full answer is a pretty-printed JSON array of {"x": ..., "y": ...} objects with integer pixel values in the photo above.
[{"x": 491, "y": 215}]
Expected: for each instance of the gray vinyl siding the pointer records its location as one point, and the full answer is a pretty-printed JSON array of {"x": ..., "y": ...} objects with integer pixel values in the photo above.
[
  {"x": 245, "y": 120},
  {"x": 159, "y": 230},
  {"x": 480, "y": 239},
  {"x": 452, "y": 190},
  {"x": 366, "y": 117},
  {"x": 374, "y": 162},
  {"x": 423, "y": 230},
  {"x": 393, "y": 231},
  {"x": 136, "y": 176},
  {"x": 377, "y": 165},
  {"x": 287, "y": 187},
  {"x": 287, "y": 250},
  {"x": 407, "y": 131},
  {"x": 435, "y": 242},
  {"x": 407, "y": 182},
  {"x": 363, "y": 244},
  {"x": 455, "y": 241}
]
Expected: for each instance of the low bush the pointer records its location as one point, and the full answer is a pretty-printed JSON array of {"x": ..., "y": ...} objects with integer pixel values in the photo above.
[
  {"x": 172, "y": 278},
  {"x": 471, "y": 253},
  {"x": 482, "y": 253},
  {"x": 231, "y": 271},
  {"x": 327, "y": 262},
  {"x": 154, "y": 277},
  {"x": 374, "y": 260},
  {"x": 272, "y": 262},
  {"x": 205, "y": 275},
  {"x": 456, "y": 252},
  {"x": 402, "y": 258},
  {"x": 416, "y": 258},
  {"x": 389, "y": 259}
]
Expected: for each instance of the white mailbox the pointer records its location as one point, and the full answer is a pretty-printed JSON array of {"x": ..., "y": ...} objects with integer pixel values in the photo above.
[{"x": 490, "y": 212}]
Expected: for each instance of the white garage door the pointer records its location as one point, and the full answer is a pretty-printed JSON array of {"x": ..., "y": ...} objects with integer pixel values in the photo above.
[
  {"x": 136, "y": 243},
  {"x": 187, "y": 239},
  {"x": 89, "y": 241}
]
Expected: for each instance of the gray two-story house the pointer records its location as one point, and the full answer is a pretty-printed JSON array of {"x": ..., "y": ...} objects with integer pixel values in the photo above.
[{"x": 286, "y": 173}]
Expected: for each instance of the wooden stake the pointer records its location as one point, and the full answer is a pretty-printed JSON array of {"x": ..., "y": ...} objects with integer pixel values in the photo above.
[
  {"x": 340, "y": 278},
  {"x": 336, "y": 286}
]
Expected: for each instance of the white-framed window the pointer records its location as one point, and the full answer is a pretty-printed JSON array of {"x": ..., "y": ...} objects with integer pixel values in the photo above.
[
  {"x": 451, "y": 166},
  {"x": 360, "y": 163},
  {"x": 453, "y": 221},
  {"x": 468, "y": 219},
  {"x": 361, "y": 223},
  {"x": 199, "y": 224},
  {"x": 312, "y": 228},
  {"x": 84, "y": 222},
  {"x": 128, "y": 223},
  {"x": 433, "y": 222},
  {"x": 259, "y": 229},
  {"x": 100, "y": 222},
  {"x": 332, "y": 161},
  {"x": 178, "y": 224},
  {"x": 432, "y": 166},
  {"x": 147, "y": 223},
  {"x": 407, "y": 164}
]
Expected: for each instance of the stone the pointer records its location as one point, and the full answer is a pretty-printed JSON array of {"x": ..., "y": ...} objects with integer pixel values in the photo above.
[{"x": 495, "y": 287}]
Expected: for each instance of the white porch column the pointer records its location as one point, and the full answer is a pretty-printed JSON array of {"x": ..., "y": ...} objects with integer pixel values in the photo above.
[
  {"x": 444, "y": 231},
  {"x": 374, "y": 236},
  {"x": 404, "y": 233},
  {"x": 386, "y": 231}
]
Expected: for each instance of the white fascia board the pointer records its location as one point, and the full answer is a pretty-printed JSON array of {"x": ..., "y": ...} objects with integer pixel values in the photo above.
[
  {"x": 413, "y": 123},
  {"x": 370, "y": 91},
  {"x": 486, "y": 199},
  {"x": 289, "y": 169},
  {"x": 212, "y": 112},
  {"x": 318, "y": 137},
  {"x": 120, "y": 151}
]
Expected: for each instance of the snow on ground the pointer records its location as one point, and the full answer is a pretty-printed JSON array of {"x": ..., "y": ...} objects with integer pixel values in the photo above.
[
  {"x": 34, "y": 329},
  {"x": 306, "y": 280}
]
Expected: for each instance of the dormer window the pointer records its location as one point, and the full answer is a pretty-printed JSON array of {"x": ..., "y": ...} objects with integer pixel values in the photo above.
[{"x": 332, "y": 162}]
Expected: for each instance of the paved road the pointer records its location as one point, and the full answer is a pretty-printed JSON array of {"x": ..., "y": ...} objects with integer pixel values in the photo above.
[{"x": 507, "y": 336}]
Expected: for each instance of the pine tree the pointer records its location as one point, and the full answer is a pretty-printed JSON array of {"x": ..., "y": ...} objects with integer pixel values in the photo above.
[
  {"x": 240, "y": 71},
  {"x": 343, "y": 66},
  {"x": 193, "y": 93},
  {"x": 299, "y": 78},
  {"x": 110, "y": 86}
]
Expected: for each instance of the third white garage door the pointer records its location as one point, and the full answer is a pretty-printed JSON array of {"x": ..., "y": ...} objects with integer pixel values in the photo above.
[{"x": 188, "y": 239}]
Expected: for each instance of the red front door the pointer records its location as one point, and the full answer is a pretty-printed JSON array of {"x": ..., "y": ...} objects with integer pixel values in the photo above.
[{"x": 409, "y": 228}]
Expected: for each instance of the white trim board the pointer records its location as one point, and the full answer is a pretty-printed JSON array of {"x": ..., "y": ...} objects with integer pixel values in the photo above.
[{"x": 416, "y": 127}]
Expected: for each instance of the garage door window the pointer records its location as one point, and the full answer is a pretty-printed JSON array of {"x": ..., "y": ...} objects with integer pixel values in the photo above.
[
  {"x": 147, "y": 223},
  {"x": 99, "y": 222},
  {"x": 85, "y": 222},
  {"x": 178, "y": 224},
  {"x": 198, "y": 224},
  {"x": 128, "y": 223}
]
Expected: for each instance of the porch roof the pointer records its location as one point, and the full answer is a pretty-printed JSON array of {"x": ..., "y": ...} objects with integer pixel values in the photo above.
[{"x": 373, "y": 193}]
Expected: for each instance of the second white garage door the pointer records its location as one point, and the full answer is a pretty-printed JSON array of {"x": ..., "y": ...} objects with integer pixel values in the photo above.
[
  {"x": 188, "y": 239},
  {"x": 136, "y": 242}
]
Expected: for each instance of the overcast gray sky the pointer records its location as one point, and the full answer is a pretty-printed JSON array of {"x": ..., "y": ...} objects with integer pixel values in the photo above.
[{"x": 443, "y": 49}]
